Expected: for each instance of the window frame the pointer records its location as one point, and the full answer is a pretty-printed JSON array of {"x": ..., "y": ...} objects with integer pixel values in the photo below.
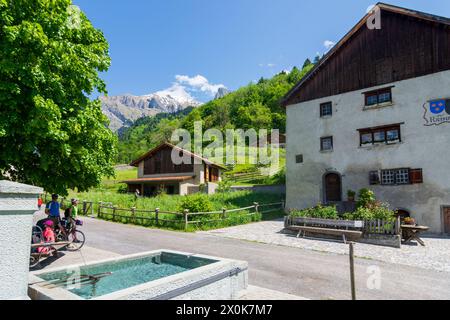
[
  {"x": 395, "y": 179},
  {"x": 322, "y": 139},
  {"x": 322, "y": 106},
  {"x": 381, "y": 129},
  {"x": 377, "y": 93}
]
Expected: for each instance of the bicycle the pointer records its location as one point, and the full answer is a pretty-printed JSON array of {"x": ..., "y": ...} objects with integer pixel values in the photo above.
[{"x": 76, "y": 238}]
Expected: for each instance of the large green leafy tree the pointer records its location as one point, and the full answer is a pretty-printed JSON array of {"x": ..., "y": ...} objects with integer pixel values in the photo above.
[{"x": 51, "y": 133}]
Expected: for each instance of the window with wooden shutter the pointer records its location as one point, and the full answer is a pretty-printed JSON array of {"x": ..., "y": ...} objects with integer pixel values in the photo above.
[
  {"x": 374, "y": 177},
  {"x": 416, "y": 176}
]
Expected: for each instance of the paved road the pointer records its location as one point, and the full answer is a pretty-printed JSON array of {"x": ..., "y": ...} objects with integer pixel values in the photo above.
[{"x": 306, "y": 273}]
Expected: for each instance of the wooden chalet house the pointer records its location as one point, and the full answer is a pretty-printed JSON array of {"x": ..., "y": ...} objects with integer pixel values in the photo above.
[{"x": 157, "y": 171}]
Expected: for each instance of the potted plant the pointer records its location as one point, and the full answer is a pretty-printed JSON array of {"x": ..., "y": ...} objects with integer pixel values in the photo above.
[{"x": 351, "y": 195}]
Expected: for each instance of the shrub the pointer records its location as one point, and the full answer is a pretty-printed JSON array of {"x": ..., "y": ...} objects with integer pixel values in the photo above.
[
  {"x": 348, "y": 216},
  {"x": 373, "y": 211},
  {"x": 381, "y": 211},
  {"x": 196, "y": 203},
  {"x": 365, "y": 198},
  {"x": 123, "y": 189},
  {"x": 278, "y": 178},
  {"x": 224, "y": 186},
  {"x": 319, "y": 212}
]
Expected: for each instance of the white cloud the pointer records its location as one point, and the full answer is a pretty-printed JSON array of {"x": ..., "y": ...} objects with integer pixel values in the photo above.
[
  {"x": 191, "y": 89},
  {"x": 268, "y": 65},
  {"x": 197, "y": 83},
  {"x": 328, "y": 44}
]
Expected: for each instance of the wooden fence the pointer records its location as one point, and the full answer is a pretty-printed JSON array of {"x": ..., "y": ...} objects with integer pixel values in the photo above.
[
  {"x": 382, "y": 227},
  {"x": 181, "y": 220},
  {"x": 238, "y": 177},
  {"x": 374, "y": 227}
]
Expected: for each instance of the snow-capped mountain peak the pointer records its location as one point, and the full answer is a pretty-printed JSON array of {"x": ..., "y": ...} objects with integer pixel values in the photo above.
[{"x": 123, "y": 110}]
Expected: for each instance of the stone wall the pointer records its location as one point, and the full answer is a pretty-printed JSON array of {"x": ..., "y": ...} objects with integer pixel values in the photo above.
[{"x": 18, "y": 202}]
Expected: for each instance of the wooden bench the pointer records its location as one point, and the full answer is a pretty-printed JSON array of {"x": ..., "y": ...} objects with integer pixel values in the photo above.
[{"x": 324, "y": 226}]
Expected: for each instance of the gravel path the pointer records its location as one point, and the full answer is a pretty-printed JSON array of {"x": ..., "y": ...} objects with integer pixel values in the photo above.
[{"x": 435, "y": 256}]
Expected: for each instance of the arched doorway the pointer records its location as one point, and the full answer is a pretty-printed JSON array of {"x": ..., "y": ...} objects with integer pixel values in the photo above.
[
  {"x": 403, "y": 213},
  {"x": 333, "y": 187}
]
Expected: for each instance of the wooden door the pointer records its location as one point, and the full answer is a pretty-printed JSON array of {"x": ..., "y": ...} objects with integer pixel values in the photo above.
[
  {"x": 447, "y": 220},
  {"x": 333, "y": 188}
]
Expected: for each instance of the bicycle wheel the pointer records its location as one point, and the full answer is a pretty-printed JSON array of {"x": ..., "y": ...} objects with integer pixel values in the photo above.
[
  {"x": 34, "y": 261},
  {"x": 77, "y": 244}
]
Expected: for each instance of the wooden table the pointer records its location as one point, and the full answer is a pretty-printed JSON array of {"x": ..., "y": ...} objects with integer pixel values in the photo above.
[{"x": 410, "y": 233}]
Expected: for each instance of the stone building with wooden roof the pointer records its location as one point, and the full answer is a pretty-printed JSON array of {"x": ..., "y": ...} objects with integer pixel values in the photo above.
[{"x": 375, "y": 113}]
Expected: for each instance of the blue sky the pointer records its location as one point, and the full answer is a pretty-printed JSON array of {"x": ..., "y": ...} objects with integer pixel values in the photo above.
[{"x": 225, "y": 42}]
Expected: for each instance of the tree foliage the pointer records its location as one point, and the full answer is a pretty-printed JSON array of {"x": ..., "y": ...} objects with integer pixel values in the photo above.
[
  {"x": 147, "y": 133},
  {"x": 253, "y": 106},
  {"x": 51, "y": 133}
]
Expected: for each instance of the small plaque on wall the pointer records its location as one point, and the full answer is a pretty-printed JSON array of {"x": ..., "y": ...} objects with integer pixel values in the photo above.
[{"x": 299, "y": 158}]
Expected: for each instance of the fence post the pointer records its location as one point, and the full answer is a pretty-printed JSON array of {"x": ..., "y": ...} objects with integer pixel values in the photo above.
[
  {"x": 133, "y": 215},
  {"x": 397, "y": 226},
  {"x": 92, "y": 209},
  {"x": 186, "y": 219},
  {"x": 352, "y": 271},
  {"x": 114, "y": 213},
  {"x": 157, "y": 216},
  {"x": 99, "y": 212},
  {"x": 224, "y": 213},
  {"x": 84, "y": 208},
  {"x": 256, "y": 204}
]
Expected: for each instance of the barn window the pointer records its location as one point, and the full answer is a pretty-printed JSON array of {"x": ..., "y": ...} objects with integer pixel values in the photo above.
[
  {"x": 378, "y": 96},
  {"x": 326, "y": 109}
]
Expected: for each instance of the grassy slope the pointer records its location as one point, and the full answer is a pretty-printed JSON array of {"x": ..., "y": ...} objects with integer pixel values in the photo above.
[{"x": 230, "y": 200}]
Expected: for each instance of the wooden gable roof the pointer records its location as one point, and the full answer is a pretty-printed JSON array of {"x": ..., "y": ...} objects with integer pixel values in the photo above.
[
  {"x": 408, "y": 45},
  {"x": 152, "y": 152}
]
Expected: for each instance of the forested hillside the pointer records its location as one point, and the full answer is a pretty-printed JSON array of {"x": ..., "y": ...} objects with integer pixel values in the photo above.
[
  {"x": 256, "y": 105},
  {"x": 147, "y": 133}
]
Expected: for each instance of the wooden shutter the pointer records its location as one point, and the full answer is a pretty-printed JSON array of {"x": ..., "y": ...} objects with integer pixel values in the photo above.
[
  {"x": 374, "y": 177},
  {"x": 416, "y": 176}
]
